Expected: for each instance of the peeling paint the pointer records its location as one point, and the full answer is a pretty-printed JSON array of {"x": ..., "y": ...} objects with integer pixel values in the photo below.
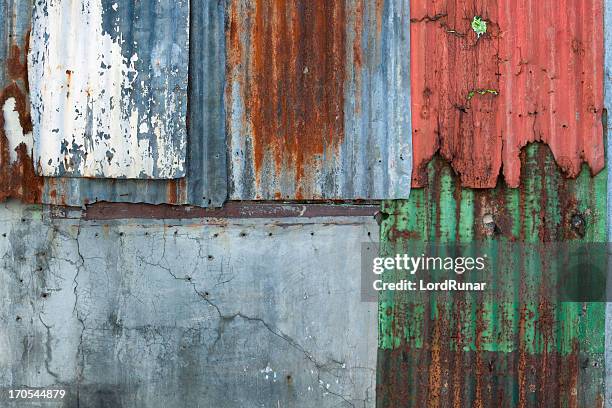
[
  {"x": 14, "y": 132},
  {"x": 90, "y": 98},
  {"x": 519, "y": 347},
  {"x": 205, "y": 183},
  {"x": 547, "y": 73}
]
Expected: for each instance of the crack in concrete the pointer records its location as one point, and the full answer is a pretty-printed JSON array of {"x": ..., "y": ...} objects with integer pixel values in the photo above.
[
  {"x": 48, "y": 349},
  {"x": 224, "y": 318},
  {"x": 80, "y": 355}
]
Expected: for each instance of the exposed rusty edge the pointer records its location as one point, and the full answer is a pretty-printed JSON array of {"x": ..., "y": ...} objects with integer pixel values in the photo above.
[
  {"x": 18, "y": 178},
  {"x": 399, "y": 380},
  {"x": 232, "y": 209}
]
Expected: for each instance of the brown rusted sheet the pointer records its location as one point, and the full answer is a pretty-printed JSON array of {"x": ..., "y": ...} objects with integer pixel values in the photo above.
[
  {"x": 318, "y": 99},
  {"x": 536, "y": 74},
  {"x": 17, "y": 177},
  {"x": 310, "y": 58}
]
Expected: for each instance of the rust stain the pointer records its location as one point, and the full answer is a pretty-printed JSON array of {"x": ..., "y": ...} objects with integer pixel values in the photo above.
[
  {"x": 232, "y": 209},
  {"x": 18, "y": 178},
  {"x": 17, "y": 62},
  {"x": 435, "y": 368},
  {"x": 293, "y": 74},
  {"x": 494, "y": 351},
  {"x": 535, "y": 75}
]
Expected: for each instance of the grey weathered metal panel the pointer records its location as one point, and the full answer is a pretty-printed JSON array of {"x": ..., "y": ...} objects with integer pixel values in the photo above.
[
  {"x": 205, "y": 183},
  {"x": 254, "y": 312},
  {"x": 108, "y": 83},
  {"x": 318, "y": 99}
]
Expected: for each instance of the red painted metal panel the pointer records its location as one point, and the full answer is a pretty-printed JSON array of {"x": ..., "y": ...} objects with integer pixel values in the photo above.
[{"x": 535, "y": 75}]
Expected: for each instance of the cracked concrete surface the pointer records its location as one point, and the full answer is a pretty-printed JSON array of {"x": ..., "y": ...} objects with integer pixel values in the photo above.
[{"x": 197, "y": 313}]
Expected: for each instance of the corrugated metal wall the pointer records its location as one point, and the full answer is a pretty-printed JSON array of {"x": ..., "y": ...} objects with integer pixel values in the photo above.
[
  {"x": 341, "y": 108},
  {"x": 536, "y": 74},
  {"x": 311, "y": 100},
  {"x": 206, "y": 181}
]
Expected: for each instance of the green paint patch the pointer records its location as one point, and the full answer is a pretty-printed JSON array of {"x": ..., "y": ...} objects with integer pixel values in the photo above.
[
  {"x": 475, "y": 92},
  {"x": 479, "y": 26}
]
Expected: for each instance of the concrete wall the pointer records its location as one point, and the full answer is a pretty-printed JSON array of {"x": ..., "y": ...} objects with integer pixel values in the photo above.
[{"x": 195, "y": 313}]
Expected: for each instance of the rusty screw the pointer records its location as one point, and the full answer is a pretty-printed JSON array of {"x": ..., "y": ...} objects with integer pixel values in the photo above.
[{"x": 579, "y": 224}]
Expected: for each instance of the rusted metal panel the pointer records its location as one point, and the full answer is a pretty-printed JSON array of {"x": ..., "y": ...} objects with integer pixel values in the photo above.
[
  {"x": 108, "y": 82},
  {"x": 206, "y": 181},
  {"x": 318, "y": 99},
  {"x": 536, "y": 74},
  {"x": 231, "y": 209},
  {"x": 17, "y": 176},
  {"x": 520, "y": 349}
]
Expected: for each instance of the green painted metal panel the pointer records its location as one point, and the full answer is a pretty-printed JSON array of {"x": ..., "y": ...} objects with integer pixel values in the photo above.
[{"x": 515, "y": 347}]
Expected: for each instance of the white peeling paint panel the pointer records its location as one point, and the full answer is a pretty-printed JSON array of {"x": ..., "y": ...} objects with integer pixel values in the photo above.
[
  {"x": 14, "y": 131},
  {"x": 108, "y": 85}
]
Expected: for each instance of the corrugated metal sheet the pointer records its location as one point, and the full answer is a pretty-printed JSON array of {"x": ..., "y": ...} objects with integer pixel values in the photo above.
[
  {"x": 517, "y": 350},
  {"x": 535, "y": 75},
  {"x": 318, "y": 99},
  {"x": 367, "y": 67},
  {"x": 109, "y": 88},
  {"x": 206, "y": 181},
  {"x": 17, "y": 177}
]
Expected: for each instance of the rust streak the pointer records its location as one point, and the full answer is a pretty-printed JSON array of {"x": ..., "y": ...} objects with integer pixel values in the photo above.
[
  {"x": 293, "y": 84},
  {"x": 18, "y": 178}
]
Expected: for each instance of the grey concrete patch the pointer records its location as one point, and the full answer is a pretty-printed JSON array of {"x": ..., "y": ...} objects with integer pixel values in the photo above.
[{"x": 201, "y": 313}]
